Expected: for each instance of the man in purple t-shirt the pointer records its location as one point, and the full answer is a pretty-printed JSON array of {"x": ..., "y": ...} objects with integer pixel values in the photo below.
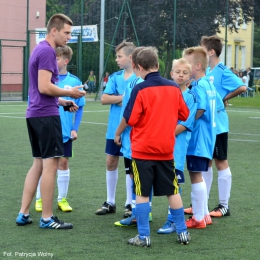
[{"x": 43, "y": 121}]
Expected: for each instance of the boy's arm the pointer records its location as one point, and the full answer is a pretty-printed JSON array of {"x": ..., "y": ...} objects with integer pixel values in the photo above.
[
  {"x": 235, "y": 93},
  {"x": 107, "y": 99},
  {"x": 199, "y": 113},
  {"x": 179, "y": 129},
  {"x": 77, "y": 120},
  {"x": 122, "y": 126}
]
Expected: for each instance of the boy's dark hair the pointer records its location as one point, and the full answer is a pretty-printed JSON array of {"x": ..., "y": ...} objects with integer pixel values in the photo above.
[
  {"x": 127, "y": 47},
  {"x": 213, "y": 42},
  {"x": 148, "y": 58},
  {"x": 65, "y": 51},
  {"x": 57, "y": 21},
  {"x": 134, "y": 55}
]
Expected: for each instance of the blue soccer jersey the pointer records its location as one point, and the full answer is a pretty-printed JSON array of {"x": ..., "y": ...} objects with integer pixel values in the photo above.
[
  {"x": 115, "y": 86},
  {"x": 66, "y": 117},
  {"x": 182, "y": 139},
  {"x": 203, "y": 136},
  {"x": 125, "y": 137},
  {"x": 225, "y": 81}
]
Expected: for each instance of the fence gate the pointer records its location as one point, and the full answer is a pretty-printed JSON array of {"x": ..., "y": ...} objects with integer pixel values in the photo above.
[{"x": 11, "y": 69}]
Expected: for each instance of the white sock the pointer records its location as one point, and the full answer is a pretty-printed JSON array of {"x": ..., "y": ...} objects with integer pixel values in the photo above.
[
  {"x": 129, "y": 183},
  {"x": 206, "y": 209},
  {"x": 63, "y": 183},
  {"x": 197, "y": 199},
  {"x": 38, "y": 191},
  {"x": 112, "y": 177},
  {"x": 224, "y": 186},
  {"x": 208, "y": 178}
]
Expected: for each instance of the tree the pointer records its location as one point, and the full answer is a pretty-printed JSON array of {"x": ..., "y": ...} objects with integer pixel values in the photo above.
[{"x": 256, "y": 55}]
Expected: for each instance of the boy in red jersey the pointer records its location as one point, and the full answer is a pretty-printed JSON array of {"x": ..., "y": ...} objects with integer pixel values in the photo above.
[{"x": 152, "y": 145}]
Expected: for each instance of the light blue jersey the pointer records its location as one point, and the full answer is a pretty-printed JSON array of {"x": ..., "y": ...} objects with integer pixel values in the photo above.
[
  {"x": 125, "y": 137},
  {"x": 182, "y": 140},
  {"x": 203, "y": 136},
  {"x": 225, "y": 81},
  {"x": 115, "y": 86},
  {"x": 66, "y": 117}
]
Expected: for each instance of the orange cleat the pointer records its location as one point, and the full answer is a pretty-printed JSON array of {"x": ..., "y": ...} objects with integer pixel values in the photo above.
[{"x": 191, "y": 222}]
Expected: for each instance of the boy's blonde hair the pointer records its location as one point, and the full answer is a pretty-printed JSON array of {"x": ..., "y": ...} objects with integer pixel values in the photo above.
[
  {"x": 148, "y": 58},
  {"x": 199, "y": 56},
  {"x": 134, "y": 55},
  {"x": 181, "y": 61},
  {"x": 57, "y": 21},
  {"x": 127, "y": 47},
  {"x": 65, "y": 51}
]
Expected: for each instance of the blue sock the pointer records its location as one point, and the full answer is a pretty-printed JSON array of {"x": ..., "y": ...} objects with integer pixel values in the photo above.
[
  {"x": 169, "y": 217},
  {"x": 179, "y": 219},
  {"x": 133, "y": 200},
  {"x": 142, "y": 217}
]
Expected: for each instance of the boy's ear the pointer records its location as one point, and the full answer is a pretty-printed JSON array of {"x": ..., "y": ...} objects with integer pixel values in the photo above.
[{"x": 67, "y": 61}]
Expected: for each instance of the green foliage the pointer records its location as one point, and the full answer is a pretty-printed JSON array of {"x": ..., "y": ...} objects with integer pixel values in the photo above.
[
  {"x": 53, "y": 7},
  {"x": 256, "y": 55}
]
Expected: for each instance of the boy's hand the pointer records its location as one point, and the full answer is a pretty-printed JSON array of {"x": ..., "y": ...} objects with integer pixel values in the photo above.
[
  {"x": 73, "y": 135},
  {"x": 75, "y": 92},
  {"x": 117, "y": 140},
  {"x": 68, "y": 105}
]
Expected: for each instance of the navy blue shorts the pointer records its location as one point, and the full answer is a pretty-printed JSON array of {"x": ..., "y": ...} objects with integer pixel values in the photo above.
[
  {"x": 68, "y": 149},
  {"x": 180, "y": 176},
  {"x": 112, "y": 148},
  {"x": 197, "y": 164},
  {"x": 128, "y": 166},
  {"x": 221, "y": 147}
]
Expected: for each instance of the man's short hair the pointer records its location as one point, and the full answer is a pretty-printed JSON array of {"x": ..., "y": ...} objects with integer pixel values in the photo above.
[
  {"x": 199, "y": 56},
  {"x": 134, "y": 55},
  {"x": 65, "y": 51},
  {"x": 57, "y": 21},
  {"x": 148, "y": 58},
  {"x": 181, "y": 61},
  {"x": 127, "y": 47},
  {"x": 213, "y": 42}
]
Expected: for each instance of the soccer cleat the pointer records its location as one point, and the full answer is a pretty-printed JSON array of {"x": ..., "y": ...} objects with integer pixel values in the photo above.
[
  {"x": 191, "y": 222},
  {"x": 23, "y": 220},
  {"x": 64, "y": 205},
  {"x": 126, "y": 222},
  {"x": 150, "y": 217},
  {"x": 105, "y": 209},
  {"x": 167, "y": 228},
  {"x": 220, "y": 211},
  {"x": 188, "y": 211},
  {"x": 208, "y": 220},
  {"x": 55, "y": 223},
  {"x": 184, "y": 238},
  {"x": 137, "y": 241},
  {"x": 38, "y": 205},
  {"x": 128, "y": 211}
]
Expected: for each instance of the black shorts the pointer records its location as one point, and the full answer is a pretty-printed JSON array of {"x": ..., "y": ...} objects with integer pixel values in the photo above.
[
  {"x": 45, "y": 136},
  {"x": 128, "y": 166},
  {"x": 157, "y": 174},
  {"x": 221, "y": 147},
  {"x": 197, "y": 163},
  {"x": 112, "y": 148}
]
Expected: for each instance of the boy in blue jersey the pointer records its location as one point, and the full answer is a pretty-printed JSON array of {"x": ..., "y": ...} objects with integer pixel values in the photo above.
[
  {"x": 112, "y": 96},
  {"x": 70, "y": 129},
  {"x": 181, "y": 73},
  {"x": 203, "y": 136},
  {"x": 228, "y": 86}
]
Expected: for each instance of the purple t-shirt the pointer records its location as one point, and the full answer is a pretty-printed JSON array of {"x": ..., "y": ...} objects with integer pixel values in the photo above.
[{"x": 43, "y": 57}]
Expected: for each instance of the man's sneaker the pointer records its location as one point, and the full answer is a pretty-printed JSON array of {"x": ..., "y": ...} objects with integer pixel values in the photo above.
[
  {"x": 55, "y": 223},
  {"x": 22, "y": 220},
  {"x": 184, "y": 238},
  {"x": 137, "y": 241},
  {"x": 188, "y": 211},
  {"x": 208, "y": 220},
  {"x": 126, "y": 222},
  {"x": 167, "y": 228},
  {"x": 191, "y": 222},
  {"x": 150, "y": 217},
  {"x": 220, "y": 211},
  {"x": 64, "y": 205},
  {"x": 105, "y": 209},
  {"x": 128, "y": 211},
  {"x": 38, "y": 205}
]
